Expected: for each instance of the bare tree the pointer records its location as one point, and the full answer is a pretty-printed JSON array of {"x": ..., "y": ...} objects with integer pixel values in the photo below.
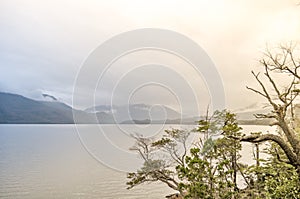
[{"x": 280, "y": 64}]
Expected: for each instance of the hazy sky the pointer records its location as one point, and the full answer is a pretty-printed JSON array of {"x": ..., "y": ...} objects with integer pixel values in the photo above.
[{"x": 44, "y": 43}]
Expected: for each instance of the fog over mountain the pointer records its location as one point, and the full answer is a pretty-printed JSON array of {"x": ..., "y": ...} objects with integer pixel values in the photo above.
[
  {"x": 17, "y": 109},
  {"x": 43, "y": 45}
]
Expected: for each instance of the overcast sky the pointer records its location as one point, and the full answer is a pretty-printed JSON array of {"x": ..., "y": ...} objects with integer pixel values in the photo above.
[{"x": 44, "y": 43}]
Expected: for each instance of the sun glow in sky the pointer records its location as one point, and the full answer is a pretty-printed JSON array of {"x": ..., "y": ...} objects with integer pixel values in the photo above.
[{"x": 44, "y": 43}]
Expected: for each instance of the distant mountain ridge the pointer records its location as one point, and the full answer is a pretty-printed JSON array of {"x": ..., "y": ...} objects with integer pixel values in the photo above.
[
  {"x": 136, "y": 112},
  {"x": 17, "y": 109}
]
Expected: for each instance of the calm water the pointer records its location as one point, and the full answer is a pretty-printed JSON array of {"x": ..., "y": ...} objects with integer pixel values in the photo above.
[{"x": 52, "y": 161}]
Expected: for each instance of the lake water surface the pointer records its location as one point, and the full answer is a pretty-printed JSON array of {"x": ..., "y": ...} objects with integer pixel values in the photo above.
[{"x": 53, "y": 161}]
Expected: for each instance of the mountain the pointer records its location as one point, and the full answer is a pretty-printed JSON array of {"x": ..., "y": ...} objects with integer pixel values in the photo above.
[
  {"x": 18, "y": 109},
  {"x": 136, "y": 112},
  {"x": 246, "y": 115}
]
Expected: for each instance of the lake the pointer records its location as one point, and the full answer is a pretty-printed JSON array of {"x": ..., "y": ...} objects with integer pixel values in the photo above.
[{"x": 62, "y": 161}]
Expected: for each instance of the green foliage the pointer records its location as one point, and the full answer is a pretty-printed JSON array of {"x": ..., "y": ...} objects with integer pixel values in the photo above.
[
  {"x": 275, "y": 177},
  {"x": 160, "y": 158},
  {"x": 209, "y": 170},
  {"x": 196, "y": 173},
  {"x": 152, "y": 170},
  {"x": 281, "y": 181},
  {"x": 162, "y": 142}
]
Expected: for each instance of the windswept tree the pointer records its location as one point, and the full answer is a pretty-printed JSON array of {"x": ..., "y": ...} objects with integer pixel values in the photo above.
[
  {"x": 160, "y": 158},
  {"x": 208, "y": 169},
  {"x": 211, "y": 169},
  {"x": 279, "y": 86}
]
